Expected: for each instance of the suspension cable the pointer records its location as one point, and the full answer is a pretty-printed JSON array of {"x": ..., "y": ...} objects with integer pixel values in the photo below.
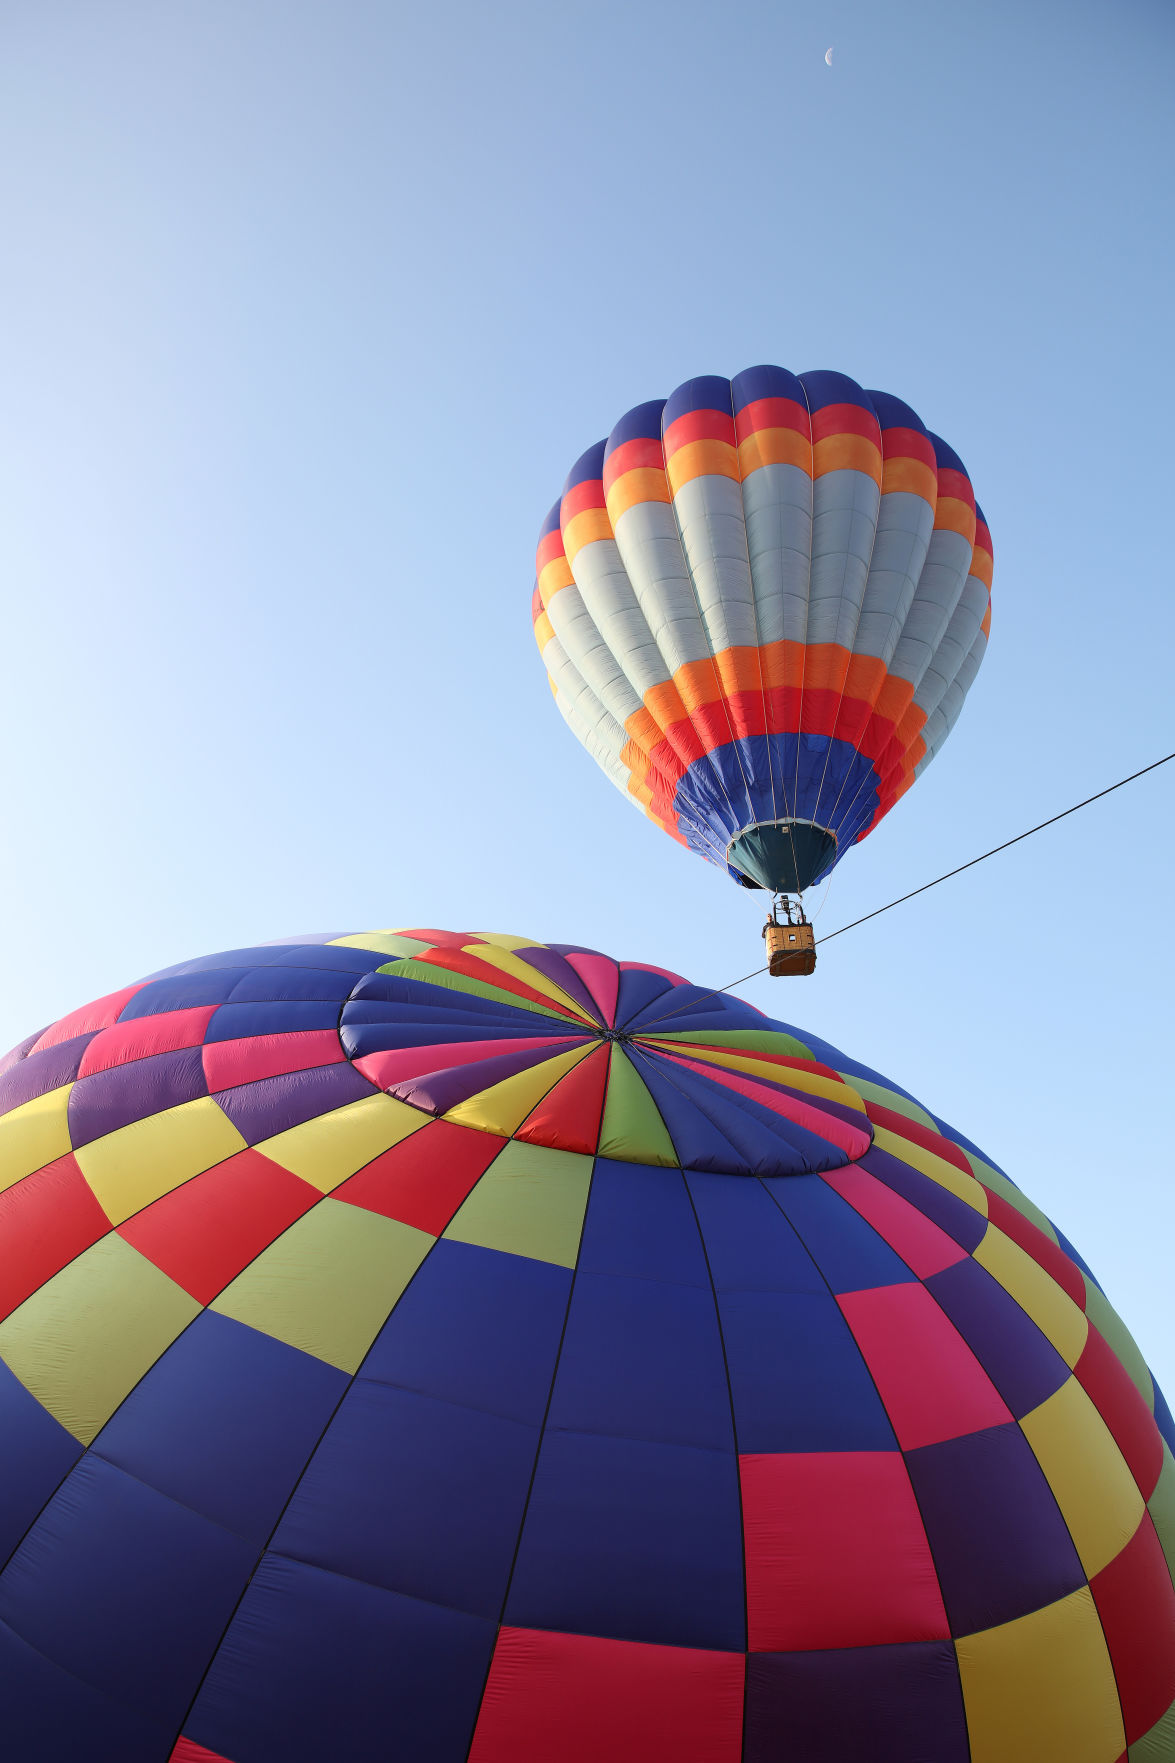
[
  {"x": 1065, "y": 812},
  {"x": 926, "y": 886}
]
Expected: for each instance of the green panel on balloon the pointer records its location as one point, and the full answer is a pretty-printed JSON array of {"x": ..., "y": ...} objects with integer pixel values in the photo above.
[
  {"x": 633, "y": 1127},
  {"x": 428, "y": 974},
  {"x": 329, "y": 1283},
  {"x": 531, "y": 1201},
  {"x": 84, "y": 1339}
]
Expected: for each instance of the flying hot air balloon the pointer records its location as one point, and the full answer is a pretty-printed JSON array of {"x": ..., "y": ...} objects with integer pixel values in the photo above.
[{"x": 761, "y": 604}]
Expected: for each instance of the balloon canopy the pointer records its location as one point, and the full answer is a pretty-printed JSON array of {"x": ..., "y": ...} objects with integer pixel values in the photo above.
[
  {"x": 445, "y": 1346},
  {"x": 761, "y": 604}
]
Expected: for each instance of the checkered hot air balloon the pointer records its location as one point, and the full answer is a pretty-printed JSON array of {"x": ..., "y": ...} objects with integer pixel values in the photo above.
[
  {"x": 761, "y": 604},
  {"x": 447, "y": 1347}
]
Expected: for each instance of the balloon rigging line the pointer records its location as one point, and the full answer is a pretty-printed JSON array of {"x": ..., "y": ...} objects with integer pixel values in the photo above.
[
  {"x": 1065, "y": 812},
  {"x": 902, "y": 898}
]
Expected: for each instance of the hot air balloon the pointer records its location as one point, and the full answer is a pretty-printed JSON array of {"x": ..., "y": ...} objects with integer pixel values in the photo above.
[
  {"x": 450, "y": 1347},
  {"x": 761, "y": 604}
]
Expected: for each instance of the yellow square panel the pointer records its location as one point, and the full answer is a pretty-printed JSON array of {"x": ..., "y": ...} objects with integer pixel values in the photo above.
[
  {"x": 1051, "y": 1308},
  {"x": 531, "y": 1201},
  {"x": 83, "y": 1340},
  {"x": 33, "y": 1135},
  {"x": 875, "y": 1092},
  {"x": 1041, "y": 1689},
  {"x": 326, "y": 1150},
  {"x": 1091, "y": 1483},
  {"x": 137, "y": 1164},
  {"x": 964, "y": 1187},
  {"x": 329, "y": 1283},
  {"x": 383, "y": 942}
]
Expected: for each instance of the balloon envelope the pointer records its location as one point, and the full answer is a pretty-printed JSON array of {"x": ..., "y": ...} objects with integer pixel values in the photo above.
[
  {"x": 761, "y": 604},
  {"x": 439, "y": 1346}
]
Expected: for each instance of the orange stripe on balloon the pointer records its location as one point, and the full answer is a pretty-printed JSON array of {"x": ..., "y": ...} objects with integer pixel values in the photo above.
[
  {"x": 544, "y": 630},
  {"x": 985, "y": 627},
  {"x": 847, "y": 453},
  {"x": 911, "y": 476},
  {"x": 555, "y": 576},
  {"x": 642, "y": 485},
  {"x": 774, "y": 447},
  {"x": 586, "y": 529},
  {"x": 954, "y": 516},
  {"x": 982, "y": 566},
  {"x": 702, "y": 459}
]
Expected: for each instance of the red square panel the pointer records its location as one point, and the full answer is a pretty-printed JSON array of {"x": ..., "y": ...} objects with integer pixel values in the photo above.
[
  {"x": 423, "y": 1179},
  {"x": 1043, "y": 1250},
  {"x": 905, "y": 1128},
  {"x": 249, "y": 1060},
  {"x": 570, "y": 1698},
  {"x": 1118, "y": 1400},
  {"x": 836, "y": 1553},
  {"x": 188, "y": 1751},
  {"x": 920, "y": 1243},
  {"x": 144, "y": 1036},
  {"x": 1136, "y": 1603},
  {"x": 933, "y": 1386},
  {"x": 100, "y": 1014},
  {"x": 45, "y": 1220},
  {"x": 568, "y": 1117},
  {"x": 203, "y": 1233}
]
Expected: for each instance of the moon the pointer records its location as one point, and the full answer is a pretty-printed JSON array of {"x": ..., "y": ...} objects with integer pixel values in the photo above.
[{"x": 828, "y": 57}]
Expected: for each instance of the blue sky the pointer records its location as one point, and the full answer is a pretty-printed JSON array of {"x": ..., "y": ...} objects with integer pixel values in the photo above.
[{"x": 306, "y": 312}]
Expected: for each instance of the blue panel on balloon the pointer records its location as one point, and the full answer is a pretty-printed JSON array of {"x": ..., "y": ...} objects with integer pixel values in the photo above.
[
  {"x": 478, "y": 1327},
  {"x": 49, "y": 1715},
  {"x": 209, "y": 963},
  {"x": 323, "y": 955},
  {"x": 887, "y": 1704},
  {"x": 797, "y": 1375},
  {"x": 125, "y": 1588},
  {"x": 421, "y": 1496},
  {"x": 961, "y": 1222},
  {"x": 637, "y": 993},
  {"x": 236, "y": 1021},
  {"x": 640, "y": 1223},
  {"x": 282, "y": 983},
  {"x": 1001, "y": 1548},
  {"x": 317, "y": 1667},
  {"x": 1023, "y": 1365},
  {"x": 643, "y": 1360},
  {"x": 224, "y": 1422},
  {"x": 750, "y": 1244},
  {"x": 38, "y": 1452},
  {"x": 636, "y": 1541},
  {"x": 846, "y": 1249},
  {"x": 186, "y": 992}
]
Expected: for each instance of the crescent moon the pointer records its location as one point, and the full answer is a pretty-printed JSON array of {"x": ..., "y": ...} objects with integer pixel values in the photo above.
[{"x": 828, "y": 57}]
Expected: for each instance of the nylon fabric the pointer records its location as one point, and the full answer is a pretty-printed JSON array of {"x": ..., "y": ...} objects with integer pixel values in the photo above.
[{"x": 543, "y": 1357}]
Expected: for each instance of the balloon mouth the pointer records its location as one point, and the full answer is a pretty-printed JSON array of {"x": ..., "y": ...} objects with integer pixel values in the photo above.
[{"x": 783, "y": 856}]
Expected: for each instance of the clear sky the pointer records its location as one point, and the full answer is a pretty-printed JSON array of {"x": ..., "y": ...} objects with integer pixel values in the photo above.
[{"x": 307, "y": 309}]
